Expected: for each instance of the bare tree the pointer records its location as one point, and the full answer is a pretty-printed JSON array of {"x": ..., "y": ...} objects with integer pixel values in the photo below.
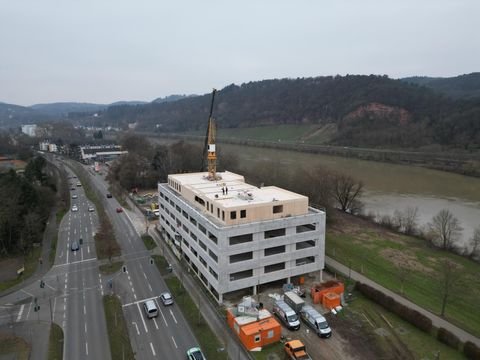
[
  {"x": 475, "y": 243},
  {"x": 346, "y": 190},
  {"x": 406, "y": 220},
  {"x": 449, "y": 276},
  {"x": 445, "y": 229}
]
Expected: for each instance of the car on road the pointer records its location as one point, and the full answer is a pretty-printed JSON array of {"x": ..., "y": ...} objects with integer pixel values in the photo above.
[
  {"x": 75, "y": 246},
  {"x": 195, "y": 354},
  {"x": 109, "y": 195},
  {"x": 119, "y": 210},
  {"x": 150, "y": 308},
  {"x": 91, "y": 208},
  {"x": 79, "y": 184},
  {"x": 73, "y": 188},
  {"x": 166, "y": 298},
  {"x": 74, "y": 196},
  {"x": 74, "y": 208}
]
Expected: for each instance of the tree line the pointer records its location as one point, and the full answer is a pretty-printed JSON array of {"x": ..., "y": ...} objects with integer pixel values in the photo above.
[{"x": 25, "y": 204}]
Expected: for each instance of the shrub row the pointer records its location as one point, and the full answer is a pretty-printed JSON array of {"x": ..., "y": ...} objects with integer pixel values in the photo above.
[
  {"x": 471, "y": 351},
  {"x": 412, "y": 316},
  {"x": 446, "y": 337}
]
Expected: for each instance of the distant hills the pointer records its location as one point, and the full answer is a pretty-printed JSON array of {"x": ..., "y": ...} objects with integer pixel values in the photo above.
[
  {"x": 353, "y": 110},
  {"x": 463, "y": 86}
]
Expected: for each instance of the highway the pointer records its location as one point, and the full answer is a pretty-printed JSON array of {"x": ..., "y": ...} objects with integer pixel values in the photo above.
[{"x": 168, "y": 335}]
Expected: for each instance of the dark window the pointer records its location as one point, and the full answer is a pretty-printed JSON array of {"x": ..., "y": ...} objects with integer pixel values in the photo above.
[
  {"x": 274, "y": 267},
  {"x": 213, "y": 273},
  {"x": 274, "y": 250},
  {"x": 200, "y": 200},
  {"x": 240, "y": 239},
  {"x": 202, "y": 260},
  {"x": 241, "y": 257},
  {"x": 305, "y": 260},
  {"x": 274, "y": 233},
  {"x": 218, "y": 212},
  {"x": 241, "y": 275},
  {"x": 193, "y": 236},
  {"x": 243, "y": 213},
  {"x": 202, "y": 245},
  {"x": 223, "y": 215},
  {"x": 304, "y": 244},
  {"x": 305, "y": 228},
  {"x": 202, "y": 228},
  {"x": 185, "y": 215},
  {"x": 277, "y": 209},
  {"x": 212, "y": 255},
  {"x": 193, "y": 221},
  {"x": 233, "y": 215},
  {"x": 194, "y": 251},
  {"x": 178, "y": 208},
  {"x": 185, "y": 229},
  {"x": 212, "y": 237}
]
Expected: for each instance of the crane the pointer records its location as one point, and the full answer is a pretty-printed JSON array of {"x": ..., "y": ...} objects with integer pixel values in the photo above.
[{"x": 209, "y": 148}]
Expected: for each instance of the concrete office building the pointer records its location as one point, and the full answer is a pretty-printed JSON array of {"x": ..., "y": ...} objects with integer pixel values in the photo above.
[{"x": 236, "y": 236}]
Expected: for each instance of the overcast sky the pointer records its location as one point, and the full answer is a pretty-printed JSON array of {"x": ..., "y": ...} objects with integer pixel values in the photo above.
[{"x": 103, "y": 51}]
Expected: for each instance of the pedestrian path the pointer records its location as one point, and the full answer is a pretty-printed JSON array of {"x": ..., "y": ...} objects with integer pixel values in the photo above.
[{"x": 437, "y": 321}]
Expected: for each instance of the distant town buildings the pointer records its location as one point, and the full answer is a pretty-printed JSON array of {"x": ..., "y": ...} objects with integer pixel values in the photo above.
[
  {"x": 89, "y": 153},
  {"x": 47, "y": 146},
  {"x": 30, "y": 130},
  {"x": 236, "y": 236}
]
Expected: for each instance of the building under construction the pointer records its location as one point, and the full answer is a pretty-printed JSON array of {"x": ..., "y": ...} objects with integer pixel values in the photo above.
[{"x": 234, "y": 235}]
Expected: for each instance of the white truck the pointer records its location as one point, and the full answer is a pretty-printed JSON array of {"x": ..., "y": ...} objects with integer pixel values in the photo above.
[
  {"x": 286, "y": 315},
  {"x": 313, "y": 319},
  {"x": 294, "y": 301}
]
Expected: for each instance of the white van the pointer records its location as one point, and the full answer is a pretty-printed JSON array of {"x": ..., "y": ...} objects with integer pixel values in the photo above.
[
  {"x": 316, "y": 321},
  {"x": 286, "y": 314},
  {"x": 150, "y": 308}
]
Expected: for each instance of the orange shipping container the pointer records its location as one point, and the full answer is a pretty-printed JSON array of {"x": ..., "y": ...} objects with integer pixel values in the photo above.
[{"x": 331, "y": 300}]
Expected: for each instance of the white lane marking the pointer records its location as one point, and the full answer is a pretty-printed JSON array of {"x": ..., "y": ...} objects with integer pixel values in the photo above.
[
  {"x": 19, "y": 316},
  {"x": 139, "y": 301},
  {"x": 145, "y": 276},
  {"x": 150, "y": 288},
  {"x": 171, "y": 313},
  {"x": 86, "y": 348},
  {"x": 81, "y": 253},
  {"x": 135, "y": 296},
  {"x": 26, "y": 292},
  {"x": 155, "y": 322},
  {"x": 84, "y": 310},
  {"x": 136, "y": 327},
  {"x": 161, "y": 313},
  {"x": 74, "y": 262},
  {"x": 141, "y": 316},
  {"x": 88, "y": 248},
  {"x": 29, "y": 308},
  {"x": 153, "y": 350},
  {"x": 131, "y": 284},
  {"x": 86, "y": 229},
  {"x": 53, "y": 311},
  {"x": 50, "y": 286},
  {"x": 85, "y": 328},
  {"x": 174, "y": 343},
  {"x": 74, "y": 231}
]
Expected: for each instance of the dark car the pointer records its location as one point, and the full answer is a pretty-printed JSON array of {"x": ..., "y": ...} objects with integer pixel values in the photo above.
[
  {"x": 119, "y": 210},
  {"x": 109, "y": 195}
]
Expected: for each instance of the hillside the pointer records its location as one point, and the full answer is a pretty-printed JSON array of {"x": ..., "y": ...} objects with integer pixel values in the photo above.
[
  {"x": 63, "y": 108},
  {"x": 463, "y": 86},
  {"x": 366, "y": 111},
  {"x": 15, "y": 115}
]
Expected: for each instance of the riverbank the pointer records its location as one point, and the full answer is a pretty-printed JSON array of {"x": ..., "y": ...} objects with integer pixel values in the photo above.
[{"x": 459, "y": 162}]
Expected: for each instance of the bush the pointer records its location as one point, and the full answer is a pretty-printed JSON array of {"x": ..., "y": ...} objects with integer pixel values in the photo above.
[
  {"x": 471, "y": 351},
  {"x": 412, "y": 316},
  {"x": 448, "y": 338}
]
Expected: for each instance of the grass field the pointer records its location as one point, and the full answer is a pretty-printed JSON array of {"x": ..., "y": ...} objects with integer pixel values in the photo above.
[
  {"x": 110, "y": 268},
  {"x": 55, "y": 345},
  {"x": 149, "y": 242},
  {"x": 400, "y": 335},
  {"x": 31, "y": 262},
  {"x": 120, "y": 346},
  {"x": 208, "y": 340},
  {"x": 390, "y": 259},
  {"x": 13, "y": 347}
]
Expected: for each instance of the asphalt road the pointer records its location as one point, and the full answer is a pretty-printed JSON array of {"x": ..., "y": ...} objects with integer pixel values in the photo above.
[{"x": 166, "y": 337}]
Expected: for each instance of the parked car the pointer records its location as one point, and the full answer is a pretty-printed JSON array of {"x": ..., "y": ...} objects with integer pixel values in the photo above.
[
  {"x": 195, "y": 354},
  {"x": 166, "y": 298},
  {"x": 119, "y": 210}
]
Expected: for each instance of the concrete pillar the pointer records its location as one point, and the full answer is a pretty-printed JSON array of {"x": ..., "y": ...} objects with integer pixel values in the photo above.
[
  {"x": 254, "y": 289},
  {"x": 321, "y": 275},
  {"x": 288, "y": 280},
  {"x": 220, "y": 298}
]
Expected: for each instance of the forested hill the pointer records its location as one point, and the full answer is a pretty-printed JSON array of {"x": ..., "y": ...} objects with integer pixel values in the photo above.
[
  {"x": 463, "y": 86},
  {"x": 370, "y": 111}
]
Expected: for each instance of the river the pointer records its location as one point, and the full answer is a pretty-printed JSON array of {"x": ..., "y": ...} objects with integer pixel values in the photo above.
[{"x": 390, "y": 187}]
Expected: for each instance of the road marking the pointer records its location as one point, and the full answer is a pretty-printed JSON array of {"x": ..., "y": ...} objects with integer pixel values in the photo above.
[
  {"x": 86, "y": 348},
  {"x": 50, "y": 286},
  {"x": 81, "y": 253},
  {"x": 150, "y": 288},
  {"x": 155, "y": 322},
  {"x": 20, "y": 312},
  {"x": 174, "y": 343},
  {"x": 135, "y": 296},
  {"x": 136, "y": 327},
  {"x": 86, "y": 229},
  {"x": 53, "y": 311},
  {"x": 74, "y": 262},
  {"x": 139, "y": 301},
  {"x": 171, "y": 313},
  {"x": 84, "y": 310},
  {"x": 131, "y": 284},
  {"x": 26, "y": 292},
  {"x": 145, "y": 276},
  {"x": 141, "y": 316},
  {"x": 161, "y": 313},
  {"x": 61, "y": 254},
  {"x": 29, "y": 308},
  {"x": 85, "y": 328},
  {"x": 153, "y": 350},
  {"x": 88, "y": 248}
]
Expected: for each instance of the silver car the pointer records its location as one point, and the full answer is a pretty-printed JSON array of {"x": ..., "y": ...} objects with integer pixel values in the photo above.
[{"x": 166, "y": 298}]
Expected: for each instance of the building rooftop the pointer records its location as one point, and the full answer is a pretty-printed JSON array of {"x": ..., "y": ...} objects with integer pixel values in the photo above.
[{"x": 232, "y": 191}]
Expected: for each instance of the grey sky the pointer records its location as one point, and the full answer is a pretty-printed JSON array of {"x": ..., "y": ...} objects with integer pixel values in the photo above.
[{"x": 108, "y": 50}]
